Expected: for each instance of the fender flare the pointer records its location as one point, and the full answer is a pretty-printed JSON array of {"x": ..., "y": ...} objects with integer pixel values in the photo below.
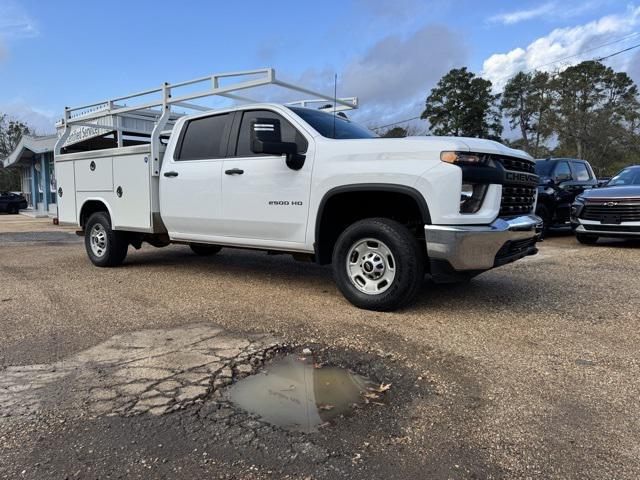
[
  {"x": 94, "y": 199},
  {"x": 369, "y": 187}
]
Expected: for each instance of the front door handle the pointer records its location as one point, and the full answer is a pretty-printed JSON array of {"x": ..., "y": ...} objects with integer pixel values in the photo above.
[
  {"x": 234, "y": 171},
  {"x": 170, "y": 174}
]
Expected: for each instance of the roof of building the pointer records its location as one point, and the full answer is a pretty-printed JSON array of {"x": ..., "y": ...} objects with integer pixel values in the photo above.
[{"x": 29, "y": 146}]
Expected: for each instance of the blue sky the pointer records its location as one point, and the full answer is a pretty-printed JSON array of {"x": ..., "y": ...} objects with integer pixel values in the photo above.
[{"x": 389, "y": 53}]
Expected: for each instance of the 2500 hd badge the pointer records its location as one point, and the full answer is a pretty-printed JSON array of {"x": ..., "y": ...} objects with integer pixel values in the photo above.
[{"x": 285, "y": 202}]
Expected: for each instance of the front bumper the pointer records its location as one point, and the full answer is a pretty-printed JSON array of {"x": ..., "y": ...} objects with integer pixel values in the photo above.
[
  {"x": 624, "y": 229},
  {"x": 473, "y": 247}
]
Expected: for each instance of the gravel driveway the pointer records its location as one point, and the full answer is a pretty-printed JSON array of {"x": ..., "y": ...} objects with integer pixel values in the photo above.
[{"x": 528, "y": 371}]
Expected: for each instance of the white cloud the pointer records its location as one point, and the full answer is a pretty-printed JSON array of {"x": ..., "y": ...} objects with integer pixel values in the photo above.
[
  {"x": 15, "y": 22},
  {"x": 517, "y": 16},
  {"x": 41, "y": 121},
  {"x": 565, "y": 42},
  {"x": 551, "y": 10}
]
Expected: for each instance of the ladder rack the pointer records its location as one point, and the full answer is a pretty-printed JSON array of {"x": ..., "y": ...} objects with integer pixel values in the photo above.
[{"x": 108, "y": 116}]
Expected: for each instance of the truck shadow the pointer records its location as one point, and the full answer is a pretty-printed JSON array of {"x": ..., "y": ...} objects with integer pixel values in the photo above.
[{"x": 507, "y": 287}]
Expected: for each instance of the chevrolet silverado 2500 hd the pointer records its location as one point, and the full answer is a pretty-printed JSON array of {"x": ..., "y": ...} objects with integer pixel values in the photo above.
[{"x": 284, "y": 177}]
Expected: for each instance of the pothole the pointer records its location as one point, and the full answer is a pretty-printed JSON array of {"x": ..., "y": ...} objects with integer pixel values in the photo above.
[
  {"x": 149, "y": 371},
  {"x": 297, "y": 394}
]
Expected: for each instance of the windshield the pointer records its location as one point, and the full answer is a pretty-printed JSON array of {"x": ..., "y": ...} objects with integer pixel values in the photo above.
[
  {"x": 332, "y": 126},
  {"x": 544, "y": 168},
  {"x": 628, "y": 176}
]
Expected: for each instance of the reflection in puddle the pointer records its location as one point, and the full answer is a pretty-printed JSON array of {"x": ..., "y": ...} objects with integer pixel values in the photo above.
[{"x": 293, "y": 394}]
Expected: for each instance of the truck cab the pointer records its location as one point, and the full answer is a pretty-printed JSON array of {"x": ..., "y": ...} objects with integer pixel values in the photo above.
[
  {"x": 306, "y": 181},
  {"x": 561, "y": 181}
]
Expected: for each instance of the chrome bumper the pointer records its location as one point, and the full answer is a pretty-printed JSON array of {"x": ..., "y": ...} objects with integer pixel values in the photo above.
[{"x": 473, "y": 247}]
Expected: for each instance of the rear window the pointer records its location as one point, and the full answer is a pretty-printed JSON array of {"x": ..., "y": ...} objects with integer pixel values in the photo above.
[
  {"x": 544, "y": 167},
  {"x": 205, "y": 138}
]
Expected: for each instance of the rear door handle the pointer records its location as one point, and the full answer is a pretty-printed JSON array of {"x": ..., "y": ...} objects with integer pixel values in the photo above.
[
  {"x": 170, "y": 174},
  {"x": 234, "y": 171}
]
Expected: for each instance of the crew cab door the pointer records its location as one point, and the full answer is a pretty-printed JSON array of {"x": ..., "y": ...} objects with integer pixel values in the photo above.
[
  {"x": 262, "y": 198},
  {"x": 190, "y": 197}
]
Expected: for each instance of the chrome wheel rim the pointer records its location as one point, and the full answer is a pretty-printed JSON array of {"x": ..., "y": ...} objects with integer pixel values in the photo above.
[
  {"x": 98, "y": 240},
  {"x": 371, "y": 266}
]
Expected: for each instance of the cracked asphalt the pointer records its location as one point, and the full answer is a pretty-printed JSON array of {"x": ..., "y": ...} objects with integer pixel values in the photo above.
[{"x": 528, "y": 371}]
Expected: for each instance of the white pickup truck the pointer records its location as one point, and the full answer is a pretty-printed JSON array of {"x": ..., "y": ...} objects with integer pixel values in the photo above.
[{"x": 287, "y": 178}]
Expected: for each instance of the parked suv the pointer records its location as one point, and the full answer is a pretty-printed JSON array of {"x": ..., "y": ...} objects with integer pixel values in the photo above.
[
  {"x": 612, "y": 211},
  {"x": 561, "y": 181},
  {"x": 12, "y": 202}
]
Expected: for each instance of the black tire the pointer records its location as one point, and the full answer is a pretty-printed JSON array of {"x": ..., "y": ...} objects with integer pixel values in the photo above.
[
  {"x": 12, "y": 209},
  {"x": 406, "y": 254},
  {"x": 587, "y": 239},
  {"x": 114, "y": 245},
  {"x": 204, "y": 250},
  {"x": 543, "y": 212}
]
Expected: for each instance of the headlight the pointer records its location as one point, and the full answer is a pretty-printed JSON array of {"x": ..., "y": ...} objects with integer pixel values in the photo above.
[
  {"x": 464, "y": 158},
  {"x": 471, "y": 197}
]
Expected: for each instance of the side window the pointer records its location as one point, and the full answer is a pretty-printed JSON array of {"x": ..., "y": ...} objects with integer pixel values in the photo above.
[
  {"x": 562, "y": 172},
  {"x": 205, "y": 138},
  {"x": 581, "y": 171},
  {"x": 289, "y": 133}
]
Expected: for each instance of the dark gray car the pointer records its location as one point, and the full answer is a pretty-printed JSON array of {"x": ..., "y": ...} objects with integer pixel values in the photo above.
[
  {"x": 11, "y": 202},
  {"x": 612, "y": 211}
]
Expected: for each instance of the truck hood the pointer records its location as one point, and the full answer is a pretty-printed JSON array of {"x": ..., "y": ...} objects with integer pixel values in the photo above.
[
  {"x": 614, "y": 193},
  {"x": 425, "y": 144}
]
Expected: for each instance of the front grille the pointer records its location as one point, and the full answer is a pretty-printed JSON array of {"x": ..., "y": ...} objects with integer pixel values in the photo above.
[
  {"x": 517, "y": 200},
  {"x": 622, "y": 212},
  {"x": 516, "y": 164},
  {"x": 515, "y": 247}
]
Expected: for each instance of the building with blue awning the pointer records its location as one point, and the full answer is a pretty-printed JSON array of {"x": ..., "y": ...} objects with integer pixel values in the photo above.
[{"x": 33, "y": 157}]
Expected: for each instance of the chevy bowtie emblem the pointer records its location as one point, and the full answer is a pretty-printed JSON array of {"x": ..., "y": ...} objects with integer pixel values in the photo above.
[{"x": 610, "y": 204}]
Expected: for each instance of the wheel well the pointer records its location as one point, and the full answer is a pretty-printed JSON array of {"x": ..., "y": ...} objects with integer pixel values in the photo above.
[
  {"x": 89, "y": 208},
  {"x": 340, "y": 209}
]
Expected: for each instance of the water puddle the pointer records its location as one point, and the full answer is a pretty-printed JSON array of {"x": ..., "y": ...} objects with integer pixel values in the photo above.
[{"x": 295, "y": 394}]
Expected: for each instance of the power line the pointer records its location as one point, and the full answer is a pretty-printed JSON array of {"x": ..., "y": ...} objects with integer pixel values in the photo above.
[
  {"x": 622, "y": 39},
  {"x": 395, "y": 123},
  {"x": 599, "y": 59},
  {"x": 618, "y": 53}
]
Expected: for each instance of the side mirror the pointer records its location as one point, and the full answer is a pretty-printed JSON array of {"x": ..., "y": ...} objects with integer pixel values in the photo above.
[{"x": 266, "y": 137}]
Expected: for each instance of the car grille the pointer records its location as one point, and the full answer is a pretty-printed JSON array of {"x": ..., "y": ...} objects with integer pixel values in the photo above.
[
  {"x": 517, "y": 199},
  {"x": 623, "y": 212},
  {"x": 517, "y": 164},
  {"x": 515, "y": 247}
]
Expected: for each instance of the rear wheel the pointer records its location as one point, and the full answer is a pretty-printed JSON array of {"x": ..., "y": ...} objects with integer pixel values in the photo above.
[
  {"x": 587, "y": 239},
  {"x": 105, "y": 247},
  {"x": 204, "y": 250},
  {"x": 378, "y": 264}
]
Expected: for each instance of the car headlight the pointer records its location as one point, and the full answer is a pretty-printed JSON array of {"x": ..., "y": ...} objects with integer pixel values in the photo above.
[
  {"x": 471, "y": 197},
  {"x": 464, "y": 158}
]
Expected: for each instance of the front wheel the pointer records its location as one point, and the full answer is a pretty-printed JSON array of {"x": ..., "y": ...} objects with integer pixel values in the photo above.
[
  {"x": 105, "y": 247},
  {"x": 378, "y": 264},
  {"x": 586, "y": 239}
]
